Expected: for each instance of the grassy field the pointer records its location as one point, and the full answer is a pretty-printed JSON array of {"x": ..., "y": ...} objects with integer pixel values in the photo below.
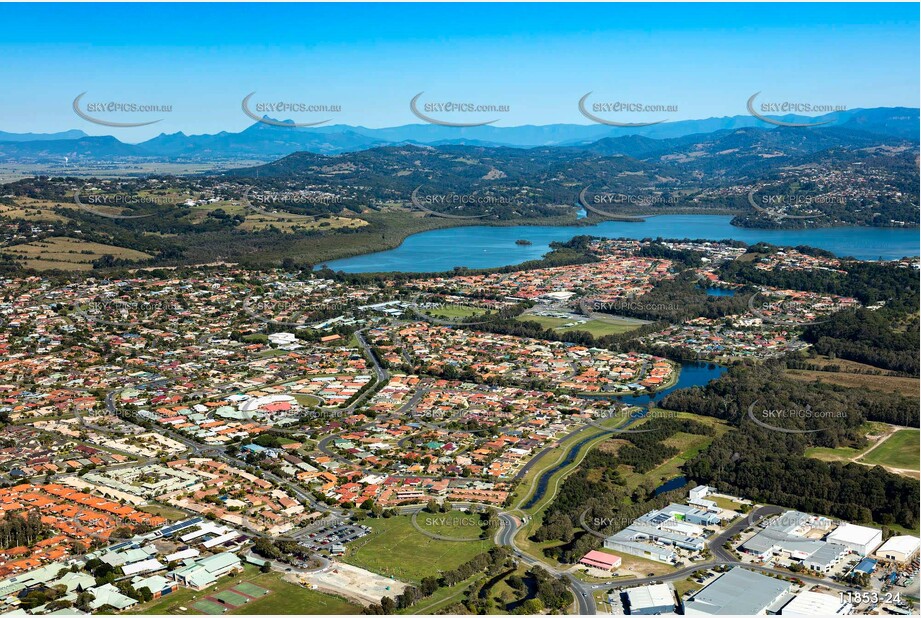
[
  {"x": 725, "y": 503},
  {"x": 308, "y": 400},
  {"x": 292, "y": 223},
  {"x": 825, "y": 363},
  {"x": 874, "y": 431},
  {"x": 690, "y": 445},
  {"x": 30, "y": 209},
  {"x": 842, "y": 453},
  {"x": 455, "y": 524},
  {"x": 163, "y": 510},
  {"x": 900, "y": 450},
  {"x": 455, "y": 312},
  {"x": 684, "y": 586},
  {"x": 61, "y": 252},
  {"x": 284, "y": 598},
  {"x": 595, "y": 328},
  {"x": 889, "y": 384},
  {"x": 395, "y": 548}
]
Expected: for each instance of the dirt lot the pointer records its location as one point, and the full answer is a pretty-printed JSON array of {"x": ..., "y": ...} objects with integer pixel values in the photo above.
[{"x": 352, "y": 583}]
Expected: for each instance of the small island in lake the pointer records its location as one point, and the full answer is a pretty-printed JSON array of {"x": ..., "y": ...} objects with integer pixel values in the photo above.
[{"x": 522, "y": 241}]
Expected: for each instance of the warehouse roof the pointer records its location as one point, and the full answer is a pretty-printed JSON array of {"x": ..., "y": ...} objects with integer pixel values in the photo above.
[
  {"x": 852, "y": 533},
  {"x": 815, "y": 604},
  {"x": 738, "y": 591},
  {"x": 903, "y": 544},
  {"x": 649, "y": 597}
]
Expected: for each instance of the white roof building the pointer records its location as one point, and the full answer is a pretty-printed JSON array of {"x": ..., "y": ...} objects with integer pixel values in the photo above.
[
  {"x": 816, "y": 604},
  {"x": 899, "y": 548},
  {"x": 859, "y": 539},
  {"x": 283, "y": 338},
  {"x": 182, "y": 555},
  {"x": 218, "y": 540},
  {"x": 653, "y": 599},
  {"x": 143, "y": 566}
]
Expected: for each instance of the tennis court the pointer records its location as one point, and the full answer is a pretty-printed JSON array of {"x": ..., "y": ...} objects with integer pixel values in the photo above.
[
  {"x": 231, "y": 598},
  {"x": 209, "y": 607},
  {"x": 250, "y": 590}
]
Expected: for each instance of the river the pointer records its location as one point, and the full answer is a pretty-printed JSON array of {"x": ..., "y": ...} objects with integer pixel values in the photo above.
[
  {"x": 692, "y": 374},
  {"x": 491, "y": 247}
]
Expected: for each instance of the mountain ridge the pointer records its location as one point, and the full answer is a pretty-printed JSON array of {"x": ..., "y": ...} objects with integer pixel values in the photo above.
[{"x": 269, "y": 142}]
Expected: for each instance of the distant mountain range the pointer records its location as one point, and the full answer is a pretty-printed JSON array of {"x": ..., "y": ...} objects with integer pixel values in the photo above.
[
  {"x": 263, "y": 141},
  {"x": 41, "y": 137}
]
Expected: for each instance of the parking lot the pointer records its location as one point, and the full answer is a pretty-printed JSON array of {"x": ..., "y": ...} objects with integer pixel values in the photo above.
[{"x": 332, "y": 539}]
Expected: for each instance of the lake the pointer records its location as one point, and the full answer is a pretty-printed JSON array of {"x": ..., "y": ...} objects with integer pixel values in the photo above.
[
  {"x": 719, "y": 292},
  {"x": 491, "y": 247},
  {"x": 671, "y": 485},
  {"x": 692, "y": 374}
]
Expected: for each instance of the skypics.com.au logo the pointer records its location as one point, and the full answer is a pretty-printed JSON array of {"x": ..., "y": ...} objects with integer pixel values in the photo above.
[
  {"x": 425, "y": 203},
  {"x": 85, "y": 202},
  {"x": 776, "y": 206},
  {"x": 258, "y": 110},
  {"x": 630, "y": 306},
  {"x": 602, "y": 203},
  {"x": 467, "y": 527},
  {"x": 783, "y": 310},
  {"x": 791, "y": 107},
  {"x": 771, "y": 418},
  {"x": 602, "y": 527},
  {"x": 117, "y": 109},
  {"x": 454, "y": 107},
  {"x": 258, "y": 202},
  {"x": 623, "y": 107},
  {"x": 626, "y": 417}
]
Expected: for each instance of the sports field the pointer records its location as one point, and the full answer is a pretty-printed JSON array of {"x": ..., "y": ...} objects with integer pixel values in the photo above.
[
  {"x": 395, "y": 548},
  {"x": 900, "y": 450},
  {"x": 595, "y": 328}
]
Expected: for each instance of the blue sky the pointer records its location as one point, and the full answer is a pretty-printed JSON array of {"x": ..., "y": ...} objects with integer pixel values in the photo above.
[{"x": 371, "y": 59}]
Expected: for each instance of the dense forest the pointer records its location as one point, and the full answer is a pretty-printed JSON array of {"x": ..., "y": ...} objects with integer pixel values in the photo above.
[
  {"x": 882, "y": 338},
  {"x": 770, "y": 466}
]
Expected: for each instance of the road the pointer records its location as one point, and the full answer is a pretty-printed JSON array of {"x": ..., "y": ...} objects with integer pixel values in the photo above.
[{"x": 581, "y": 592}]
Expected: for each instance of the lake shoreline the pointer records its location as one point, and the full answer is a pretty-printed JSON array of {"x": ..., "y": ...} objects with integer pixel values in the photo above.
[{"x": 425, "y": 251}]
